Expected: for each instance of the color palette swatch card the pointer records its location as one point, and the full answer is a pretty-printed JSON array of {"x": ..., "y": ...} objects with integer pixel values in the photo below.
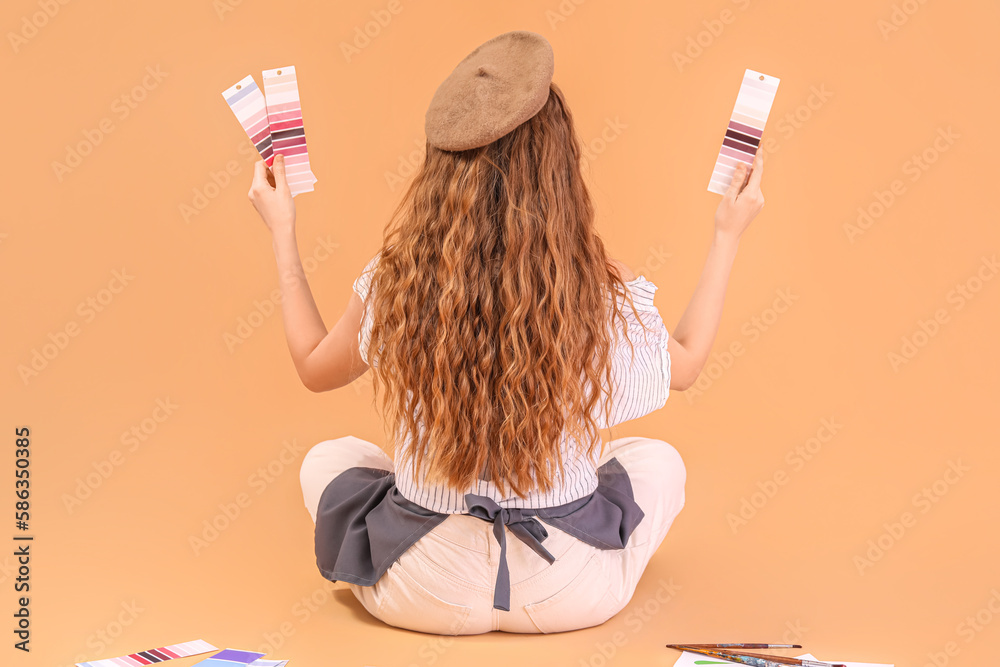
[
  {"x": 288, "y": 135},
  {"x": 260, "y": 662},
  {"x": 247, "y": 102},
  {"x": 154, "y": 655},
  {"x": 229, "y": 657},
  {"x": 746, "y": 127}
]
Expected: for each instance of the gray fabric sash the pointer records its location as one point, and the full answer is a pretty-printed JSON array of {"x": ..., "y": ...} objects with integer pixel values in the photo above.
[
  {"x": 363, "y": 524},
  {"x": 525, "y": 528}
]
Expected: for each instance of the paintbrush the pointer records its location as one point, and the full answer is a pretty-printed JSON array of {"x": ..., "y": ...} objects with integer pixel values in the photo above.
[
  {"x": 737, "y": 645},
  {"x": 755, "y": 659}
]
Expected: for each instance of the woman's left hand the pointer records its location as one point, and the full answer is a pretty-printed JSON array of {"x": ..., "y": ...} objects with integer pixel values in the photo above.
[{"x": 272, "y": 198}]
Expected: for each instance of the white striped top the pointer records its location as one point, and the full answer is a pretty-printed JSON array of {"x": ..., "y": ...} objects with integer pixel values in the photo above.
[{"x": 640, "y": 387}]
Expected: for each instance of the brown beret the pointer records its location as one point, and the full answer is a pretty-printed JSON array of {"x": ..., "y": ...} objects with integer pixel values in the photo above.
[{"x": 500, "y": 85}]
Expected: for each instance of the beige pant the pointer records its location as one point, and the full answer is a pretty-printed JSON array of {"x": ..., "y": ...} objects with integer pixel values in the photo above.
[{"x": 443, "y": 584}]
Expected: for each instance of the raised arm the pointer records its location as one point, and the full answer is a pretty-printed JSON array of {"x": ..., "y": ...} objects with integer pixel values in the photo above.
[
  {"x": 692, "y": 338},
  {"x": 324, "y": 360}
]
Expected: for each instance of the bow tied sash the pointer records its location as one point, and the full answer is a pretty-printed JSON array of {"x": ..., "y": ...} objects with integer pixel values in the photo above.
[{"x": 523, "y": 525}]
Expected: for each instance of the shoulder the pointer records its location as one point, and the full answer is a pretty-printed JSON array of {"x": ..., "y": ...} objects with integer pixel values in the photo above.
[
  {"x": 624, "y": 272},
  {"x": 640, "y": 289},
  {"x": 370, "y": 266},
  {"x": 363, "y": 282}
]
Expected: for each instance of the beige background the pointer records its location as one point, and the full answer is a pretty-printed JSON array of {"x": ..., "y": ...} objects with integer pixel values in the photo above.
[{"x": 814, "y": 310}]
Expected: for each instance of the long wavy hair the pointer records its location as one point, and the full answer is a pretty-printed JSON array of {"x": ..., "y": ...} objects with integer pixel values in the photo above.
[{"x": 491, "y": 306}]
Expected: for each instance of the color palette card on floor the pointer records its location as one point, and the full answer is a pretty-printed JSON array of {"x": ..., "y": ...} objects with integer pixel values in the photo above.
[
  {"x": 272, "y": 119},
  {"x": 154, "y": 655},
  {"x": 745, "y": 129},
  {"x": 689, "y": 659},
  {"x": 230, "y": 657}
]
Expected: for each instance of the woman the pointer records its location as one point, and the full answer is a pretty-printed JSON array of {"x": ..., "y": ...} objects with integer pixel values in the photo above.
[{"x": 495, "y": 311}]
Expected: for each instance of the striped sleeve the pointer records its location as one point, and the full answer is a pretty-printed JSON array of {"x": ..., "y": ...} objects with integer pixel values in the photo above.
[
  {"x": 640, "y": 385},
  {"x": 362, "y": 284}
]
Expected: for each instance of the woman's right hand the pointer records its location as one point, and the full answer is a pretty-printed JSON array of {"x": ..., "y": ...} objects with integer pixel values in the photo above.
[{"x": 742, "y": 201}]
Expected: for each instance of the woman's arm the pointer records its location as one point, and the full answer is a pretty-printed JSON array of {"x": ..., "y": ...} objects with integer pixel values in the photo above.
[
  {"x": 692, "y": 339},
  {"x": 324, "y": 360}
]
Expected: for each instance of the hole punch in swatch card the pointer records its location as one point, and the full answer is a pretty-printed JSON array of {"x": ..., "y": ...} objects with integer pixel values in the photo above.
[
  {"x": 247, "y": 102},
  {"x": 745, "y": 129},
  {"x": 288, "y": 135}
]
